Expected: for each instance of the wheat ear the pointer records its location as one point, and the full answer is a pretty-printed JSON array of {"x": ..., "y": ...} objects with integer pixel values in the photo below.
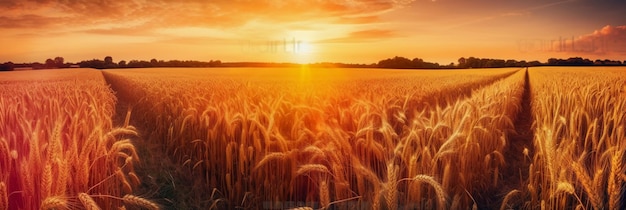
[
  {"x": 140, "y": 202},
  {"x": 441, "y": 195},
  {"x": 312, "y": 168},
  {"x": 615, "y": 183},
  {"x": 53, "y": 203},
  {"x": 584, "y": 179},
  {"x": 4, "y": 197},
  {"x": 509, "y": 196},
  {"x": 324, "y": 194},
  {"x": 88, "y": 202}
]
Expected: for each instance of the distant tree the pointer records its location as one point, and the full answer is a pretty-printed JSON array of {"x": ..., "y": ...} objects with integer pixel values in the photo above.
[
  {"x": 553, "y": 61},
  {"x": 510, "y": 63},
  {"x": 108, "y": 60},
  {"x": 396, "y": 63},
  {"x": 8, "y": 66},
  {"x": 473, "y": 62},
  {"x": 534, "y": 63},
  {"x": 154, "y": 62},
  {"x": 122, "y": 64},
  {"x": 95, "y": 63},
  {"x": 108, "y": 63},
  {"x": 59, "y": 62},
  {"x": 462, "y": 62},
  {"x": 50, "y": 63}
]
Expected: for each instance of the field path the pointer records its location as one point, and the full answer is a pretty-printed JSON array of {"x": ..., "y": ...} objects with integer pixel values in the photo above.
[{"x": 517, "y": 163}]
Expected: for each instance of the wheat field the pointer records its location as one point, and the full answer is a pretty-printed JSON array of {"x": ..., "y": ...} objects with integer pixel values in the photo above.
[
  {"x": 303, "y": 138},
  {"x": 58, "y": 146}
]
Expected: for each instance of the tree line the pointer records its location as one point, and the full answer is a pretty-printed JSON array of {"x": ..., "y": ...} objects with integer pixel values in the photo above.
[
  {"x": 473, "y": 62},
  {"x": 108, "y": 63},
  {"x": 396, "y": 62}
]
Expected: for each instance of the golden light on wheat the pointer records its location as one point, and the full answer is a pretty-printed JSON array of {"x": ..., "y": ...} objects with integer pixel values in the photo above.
[
  {"x": 58, "y": 145},
  {"x": 315, "y": 139}
]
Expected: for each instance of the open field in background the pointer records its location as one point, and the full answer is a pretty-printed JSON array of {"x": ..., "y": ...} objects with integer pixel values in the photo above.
[{"x": 323, "y": 138}]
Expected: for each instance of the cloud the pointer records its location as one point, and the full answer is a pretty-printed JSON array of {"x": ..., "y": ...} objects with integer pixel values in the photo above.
[
  {"x": 517, "y": 12},
  {"x": 362, "y": 36},
  {"x": 607, "y": 40},
  {"x": 120, "y": 31},
  {"x": 174, "y": 13},
  {"x": 27, "y": 21},
  {"x": 358, "y": 20}
]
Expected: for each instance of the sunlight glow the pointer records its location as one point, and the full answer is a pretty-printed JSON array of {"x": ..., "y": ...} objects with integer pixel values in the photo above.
[
  {"x": 304, "y": 48},
  {"x": 304, "y": 53}
]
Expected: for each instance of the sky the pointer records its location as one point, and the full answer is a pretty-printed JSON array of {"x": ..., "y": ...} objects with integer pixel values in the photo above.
[{"x": 308, "y": 31}]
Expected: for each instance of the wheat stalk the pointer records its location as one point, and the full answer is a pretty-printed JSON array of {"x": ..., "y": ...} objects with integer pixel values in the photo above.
[
  {"x": 88, "y": 202},
  {"x": 565, "y": 187},
  {"x": 308, "y": 168},
  {"x": 4, "y": 197},
  {"x": 46, "y": 180},
  {"x": 391, "y": 197},
  {"x": 324, "y": 194},
  {"x": 615, "y": 183},
  {"x": 139, "y": 202},
  {"x": 507, "y": 198},
  {"x": 584, "y": 179},
  {"x": 441, "y": 195},
  {"x": 53, "y": 203}
]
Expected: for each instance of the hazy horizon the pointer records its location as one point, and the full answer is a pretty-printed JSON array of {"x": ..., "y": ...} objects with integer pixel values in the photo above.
[{"x": 297, "y": 31}]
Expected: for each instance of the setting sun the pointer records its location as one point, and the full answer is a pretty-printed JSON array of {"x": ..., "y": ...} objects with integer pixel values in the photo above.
[
  {"x": 328, "y": 31},
  {"x": 304, "y": 53}
]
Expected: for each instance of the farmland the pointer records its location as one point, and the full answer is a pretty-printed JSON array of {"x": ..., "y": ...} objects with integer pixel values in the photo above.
[{"x": 224, "y": 138}]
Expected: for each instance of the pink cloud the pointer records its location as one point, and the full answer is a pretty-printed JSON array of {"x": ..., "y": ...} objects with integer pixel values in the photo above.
[{"x": 607, "y": 40}]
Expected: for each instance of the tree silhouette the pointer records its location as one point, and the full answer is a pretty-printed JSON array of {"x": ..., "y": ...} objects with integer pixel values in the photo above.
[
  {"x": 8, "y": 66},
  {"x": 404, "y": 63},
  {"x": 108, "y": 60},
  {"x": 462, "y": 62},
  {"x": 59, "y": 62},
  {"x": 49, "y": 64},
  {"x": 108, "y": 63}
]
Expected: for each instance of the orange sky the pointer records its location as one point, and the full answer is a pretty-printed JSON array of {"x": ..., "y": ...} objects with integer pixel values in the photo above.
[{"x": 351, "y": 31}]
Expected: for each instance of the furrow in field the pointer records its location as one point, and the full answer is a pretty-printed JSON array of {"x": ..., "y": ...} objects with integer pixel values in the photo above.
[
  {"x": 471, "y": 140},
  {"x": 520, "y": 147},
  {"x": 579, "y": 123}
]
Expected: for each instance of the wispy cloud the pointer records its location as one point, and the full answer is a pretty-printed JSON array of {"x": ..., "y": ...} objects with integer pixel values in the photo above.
[
  {"x": 358, "y": 20},
  {"x": 514, "y": 12},
  {"x": 362, "y": 36},
  {"x": 173, "y": 13}
]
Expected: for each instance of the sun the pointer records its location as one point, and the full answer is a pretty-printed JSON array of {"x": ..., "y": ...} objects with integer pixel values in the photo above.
[
  {"x": 304, "y": 48},
  {"x": 304, "y": 53}
]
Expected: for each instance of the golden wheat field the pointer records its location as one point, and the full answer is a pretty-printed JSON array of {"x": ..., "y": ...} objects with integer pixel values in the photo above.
[{"x": 304, "y": 138}]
